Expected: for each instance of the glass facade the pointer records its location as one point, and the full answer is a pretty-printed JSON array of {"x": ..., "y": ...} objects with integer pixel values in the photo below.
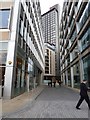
[
  {"x": 86, "y": 65},
  {"x": 3, "y": 55},
  {"x": 86, "y": 39},
  {"x": 24, "y": 67},
  {"x": 75, "y": 42},
  {"x": 4, "y": 17},
  {"x": 31, "y": 73},
  {"x": 76, "y": 72},
  {"x": 19, "y": 82},
  {"x": 69, "y": 77},
  {"x": 85, "y": 15},
  {"x": 24, "y": 72}
]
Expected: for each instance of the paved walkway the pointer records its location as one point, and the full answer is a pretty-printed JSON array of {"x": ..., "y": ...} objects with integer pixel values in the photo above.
[
  {"x": 20, "y": 102},
  {"x": 56, "y": 102}
]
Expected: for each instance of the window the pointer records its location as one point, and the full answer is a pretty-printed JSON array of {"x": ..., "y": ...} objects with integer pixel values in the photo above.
[
  {"x": 86, "y": 66},
  {"x": 21, "y": 12},
  {"x": 3, "y": 45},
  {"x": 3, "y": 55},
  {"x": 86, "y": 39},
  {"x": 4, "y": 16}
]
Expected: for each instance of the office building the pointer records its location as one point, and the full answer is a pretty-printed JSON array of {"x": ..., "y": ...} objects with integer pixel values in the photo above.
[
  {"x": 49, "y": 62},
  {"x": 75, "y": 42},
  {"x": 21, "y": 46},
  {"x": 50, "y": 26}
]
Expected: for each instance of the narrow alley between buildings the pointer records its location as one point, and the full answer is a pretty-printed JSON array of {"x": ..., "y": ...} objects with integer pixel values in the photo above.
[{"x": 58, "y": 102}]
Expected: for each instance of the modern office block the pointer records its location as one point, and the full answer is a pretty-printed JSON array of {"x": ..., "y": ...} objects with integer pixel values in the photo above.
[
  {"x": 21, "y": 46},
  {"x": 75, "y": 42},
  {"x": 50, "y": 26},
  {"x": 49, "y": 62}
]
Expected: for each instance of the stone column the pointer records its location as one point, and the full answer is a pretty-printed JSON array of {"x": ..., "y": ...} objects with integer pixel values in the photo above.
[
  {"x": 34, "y": 82},
  {"x": 27, "y": 82},
  {"x": 66, "y": 78},
  {"x": 11, "y": 54},
  {"x": 72, "y": 77}
]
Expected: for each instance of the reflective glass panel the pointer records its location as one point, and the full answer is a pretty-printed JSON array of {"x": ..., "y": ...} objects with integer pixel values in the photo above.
[{"x": 4, "y": 16}]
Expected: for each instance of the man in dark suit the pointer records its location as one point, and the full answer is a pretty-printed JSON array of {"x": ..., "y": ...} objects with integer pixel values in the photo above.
[{"x": 83, "y": 95}]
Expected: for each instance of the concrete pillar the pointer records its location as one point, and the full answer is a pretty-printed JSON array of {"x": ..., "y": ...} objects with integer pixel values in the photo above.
[
  {"x": 72, "y": 78},
  {"x": 71, "y": 56},
  {"x": 34, "y": 82},
  {"x": 80, "y": 61},
  {"x": 81, "y": 70},
  {"x": 11, "y": 54},
  {"x": 66, "y": 78},
  {"x": 41, "y": 78},
  {"x": 61, "y": 77},
  {"x": 27, "y": 82}
]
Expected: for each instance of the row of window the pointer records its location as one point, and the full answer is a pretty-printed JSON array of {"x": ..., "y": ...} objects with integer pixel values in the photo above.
[
  {"x": 86, "y": 39},
  {"x": 25, "y": 30},
  {"x": 86, "y": 66},
  {"x": 85, "y": 15}
]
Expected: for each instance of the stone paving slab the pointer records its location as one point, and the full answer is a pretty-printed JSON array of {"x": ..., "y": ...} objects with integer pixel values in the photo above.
[
  {"x": 52, "y": 109},
  {"x": 56, "y": 102},
  {"x": 20, "y": 102}
]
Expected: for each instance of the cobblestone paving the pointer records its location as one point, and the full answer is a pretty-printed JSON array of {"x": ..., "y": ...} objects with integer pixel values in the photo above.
[{"x": 56, "y": 102}]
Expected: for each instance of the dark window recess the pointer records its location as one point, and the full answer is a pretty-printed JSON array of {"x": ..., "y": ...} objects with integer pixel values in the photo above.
[
  {"x": 19, "y": 26},
  {"x": 29, "y": 7},
  {"x": 24, "y": 45},
  {"x": 26, "y": 3},
  {"x": 29, "y": 52},
  {"x": 19, "y": 40},
  {"x": 29, "y": 31},
  {"x": 25, "y": 20},
  {"x": 27, "y": 26},
  {"x": 23, "y": 32},
  {"x": 27, "y": 49},
  {"x": 22, "y": 12}
]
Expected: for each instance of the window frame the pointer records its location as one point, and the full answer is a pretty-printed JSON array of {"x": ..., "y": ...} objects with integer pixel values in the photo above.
[{"x": 8, "y": 20}]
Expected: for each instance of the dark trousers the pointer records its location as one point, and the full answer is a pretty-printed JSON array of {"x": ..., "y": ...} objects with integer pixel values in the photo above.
[
  {"x": 86, "y": 98},
  {"x": 54, "y": 84}
]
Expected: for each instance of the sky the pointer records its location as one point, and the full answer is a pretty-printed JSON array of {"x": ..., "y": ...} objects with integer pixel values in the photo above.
[{"x": 46, "y": 4}]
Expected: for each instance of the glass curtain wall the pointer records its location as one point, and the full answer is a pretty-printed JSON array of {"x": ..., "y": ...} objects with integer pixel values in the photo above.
[
  {"x": 20, "y": 83},
  {"x": 31, "y": 73},
  {"x": 86, "y": 65},
  {"x": 76, "y": 71},
  {"x": 3, "y": 56},
  {"x": 69, "y": 77}
]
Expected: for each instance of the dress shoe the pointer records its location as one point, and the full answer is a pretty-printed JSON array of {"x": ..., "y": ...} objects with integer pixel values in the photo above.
[{"x": 78, "y": 108}]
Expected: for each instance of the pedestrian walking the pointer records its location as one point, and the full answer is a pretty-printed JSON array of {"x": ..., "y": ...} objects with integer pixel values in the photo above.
[{"x": 83, "y": 95}]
